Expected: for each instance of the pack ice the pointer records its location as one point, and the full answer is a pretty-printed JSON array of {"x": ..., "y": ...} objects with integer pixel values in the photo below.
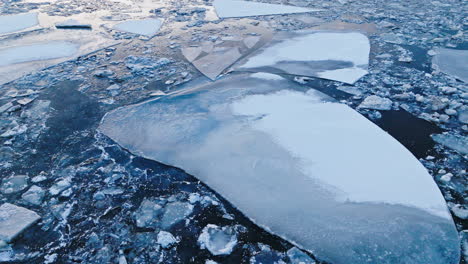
[
  {"x": 235, "y": 8},
  {"x": 147, "y": 27},
  {"x": 300, "y": 165},
  {"x": 452, "y": 62},
  {"x": 339, "y": 56}
]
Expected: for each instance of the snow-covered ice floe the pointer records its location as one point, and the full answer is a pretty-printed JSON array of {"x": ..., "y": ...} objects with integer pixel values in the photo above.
[
  {"x": 235, "y": 8},
  {"x": 339, "y": 56},
  {"x": 14, "y": 220},
  {"x": 146, "y": 27},
  {"x": 452, "y": 62},
  {"x": 300, "y": 165},
  {"x": 16, "y": 23},
  {"x": 32, "y": 53}
]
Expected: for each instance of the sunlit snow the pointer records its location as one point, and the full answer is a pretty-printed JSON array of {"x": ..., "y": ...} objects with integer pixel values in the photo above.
[{"x": 302, "y": 166}]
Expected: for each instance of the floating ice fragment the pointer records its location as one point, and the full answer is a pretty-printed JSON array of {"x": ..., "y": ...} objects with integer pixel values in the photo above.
[
  {"x": 147, "y": 27},
  {"x": 212, "y": 60},
  {"x": 458, "y": 143},
  {"x": 218, "y": 240},
  {"x": 14, "y": 219},
  {"x": 37, "y": 52},
  {"x": 14, "y": 184},
  {"x": 452, "y": 62},
  {"x": 148, "y": 214},
  {"x": 377, "y": 103},
  {"x": 302, "y": 166},
  {"x": 14, "y": 23},
  {"x": 166, "y": 239},
  {"x": 335, "y": 56},
  {"x": 20, "y": 56},
  {"x": 34, "y": 195},
  {"x": 174, "y": 213},
  {"x": 234, "y": 8}
]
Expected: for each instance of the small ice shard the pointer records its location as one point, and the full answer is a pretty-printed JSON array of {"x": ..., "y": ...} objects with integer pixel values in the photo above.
[
  {"x": 14, "y": 23},
  {"x": 166, "y": 239},
  {"x": 14, "y": 184},
  {"x": 59, "y": 186},
  {"x": 218, "y": 240},
  {"x": 146, "y": 27},
  {"x": 303, "y": 166},
  {"x": 452, "y": 62},
  {"x": 377, "y": 103},
  {"x": 37, "y": 52},
  {"x": 72, "y": 24},
  {"x": 15, "y": 219},
  {"x": 235, "y": 8},
  {"x": 456, "y": 142},
  {"x": 296, "y": 256},
  {"x": 339, "y": 56}
]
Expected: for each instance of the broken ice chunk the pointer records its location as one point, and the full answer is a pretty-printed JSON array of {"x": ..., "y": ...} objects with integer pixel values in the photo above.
[
  {"x": 14, "y": 219},
  {"x": 212, "y": 60},
  {"x": 452, "y": 62},
  {"x": 42, "y": 51},
  {"x": 312, "y": 171},
  {"x": 174, "y": 213},
  {"x": 72, "y": 24},
  {"x": 14, "y": 184},
  {"x": 148, "y": 214},
  {"x": 14, "y": 23},
  {"x": 335, "y": 56},
  {"x": 34, "y": 195},
  {"x": 218, "y": 240},
  {"x": 166, "y": 239},
  {"x": 147, "y": 27},
  {"x": 456, "y": 142},
  {"x": 377, "y": 103},
  {"x": 235, "y": 8}
]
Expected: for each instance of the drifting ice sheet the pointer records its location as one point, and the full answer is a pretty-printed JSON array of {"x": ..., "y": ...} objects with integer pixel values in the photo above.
[
  {"x": 233, "y": 8},
  {"x": 335, "y": 56},
  {"x": 146, "y": 27},
  {"x": 300, "y": 165},
  {"x": 452, "y": 62},
  {"x": 14, "y": 23},
  {"x": 31, "y": 53}
]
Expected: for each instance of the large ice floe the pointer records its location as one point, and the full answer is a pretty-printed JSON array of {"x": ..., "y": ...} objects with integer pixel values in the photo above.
[
  {"x": 146, "y": 27},
  {"x": 235, "y": 8},
  {"x": 452, "y": 62},
  {"x": 339, "y": 56},
  {"x": 299, "y": 164},
  {"x": 18, "y": 22},
  {"x": 20, "y": 56}
]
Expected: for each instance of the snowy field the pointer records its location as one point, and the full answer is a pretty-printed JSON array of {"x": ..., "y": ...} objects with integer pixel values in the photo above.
[{"x": 232, "y": 131}]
